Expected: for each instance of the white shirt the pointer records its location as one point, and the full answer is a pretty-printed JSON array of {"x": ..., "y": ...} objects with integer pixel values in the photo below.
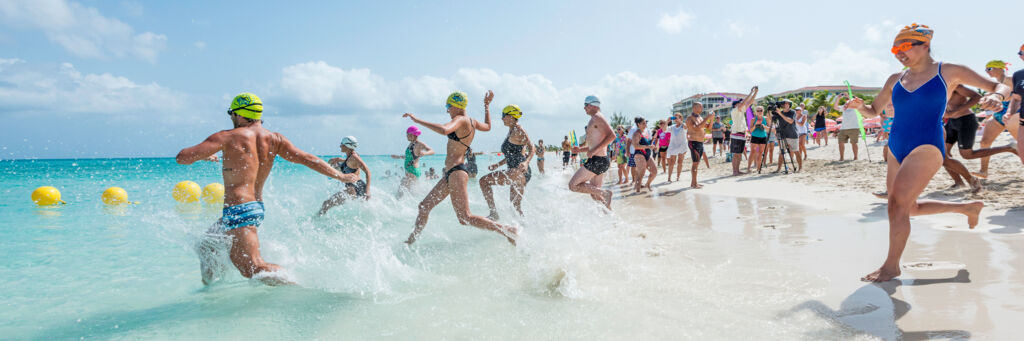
[
  {"x": 739, "y": 121},
  {"x": 678, "y": 136},
  {"x": 850, "y": 119},
  {"x": 630, "y": 135}
]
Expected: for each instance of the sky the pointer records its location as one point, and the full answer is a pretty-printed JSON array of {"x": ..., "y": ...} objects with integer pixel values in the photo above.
[{"x": 95, "y": 79}]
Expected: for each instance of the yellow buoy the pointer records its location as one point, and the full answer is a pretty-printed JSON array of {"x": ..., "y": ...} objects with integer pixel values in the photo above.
[
  {"x": 46, "y": 196},
  {"x": 213, "y": 194},
  {"x": 115, "y": 196},
  {"x": 186, "y": 192}
]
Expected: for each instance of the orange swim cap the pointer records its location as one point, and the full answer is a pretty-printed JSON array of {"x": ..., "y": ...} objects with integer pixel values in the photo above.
[{"x": 917, "y": 32}]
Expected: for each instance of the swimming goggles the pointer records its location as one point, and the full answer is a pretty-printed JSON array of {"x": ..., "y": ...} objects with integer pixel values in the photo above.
[{"x": 905, "y": 46}]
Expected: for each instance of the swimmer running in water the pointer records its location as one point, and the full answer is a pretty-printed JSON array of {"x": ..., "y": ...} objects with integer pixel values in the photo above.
[
  {"x": 518, "y": 150},
  {"x": 1015, "y": 104},
  {"x": 540, "y": 155},
  {"x": 1002, "y": 120},
  {"x": 916, "y": 142},
  {"x": 351, "y": 164},
  {"x": 249, "y": 153},
  {"x": 599, "y": 134},
  {"x": 461, "y": 131},
  {"x": 413, "y": 152}
]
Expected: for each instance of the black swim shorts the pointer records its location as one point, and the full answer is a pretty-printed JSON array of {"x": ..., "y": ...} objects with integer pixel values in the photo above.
[
  {"x": 597, "y": 164},
  {"x": 736, "y": 146}
]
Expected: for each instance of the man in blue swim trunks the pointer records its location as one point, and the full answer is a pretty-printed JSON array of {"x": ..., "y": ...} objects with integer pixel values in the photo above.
[{"x": 248, "y": 155}]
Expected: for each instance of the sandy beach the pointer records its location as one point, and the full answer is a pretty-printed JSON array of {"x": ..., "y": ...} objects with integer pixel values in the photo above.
[{"x": 957, "y": 283}]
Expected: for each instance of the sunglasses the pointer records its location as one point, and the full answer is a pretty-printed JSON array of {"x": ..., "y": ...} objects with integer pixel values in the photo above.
[
  {"x": 905, "y": 46},
  {"x": 1021, "y": 53}
]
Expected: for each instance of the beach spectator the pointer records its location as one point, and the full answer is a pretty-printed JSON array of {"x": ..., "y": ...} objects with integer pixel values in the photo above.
[
  {"x": 787, "y": 129},
  {"x": 664, "y": 136},
  {"x": 758, "y": 138},
  {"x": 801, "y": 132},
  {"x": 621, "y": 153},
  {"x": 717, "y": 137},
  {"x": 739, "y": 131},
  {"x": 643, "y": 150},
  {"x": 820, "y": 126},
  {"x": 677, "y": 146},
  {"x": 849, "y": 132},
  {"x": 566, "y": 152},
  {"x": 695, "y": 127}
]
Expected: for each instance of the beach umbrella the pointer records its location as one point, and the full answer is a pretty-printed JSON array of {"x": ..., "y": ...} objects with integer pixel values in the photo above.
[{"x": 831, "y": 125}]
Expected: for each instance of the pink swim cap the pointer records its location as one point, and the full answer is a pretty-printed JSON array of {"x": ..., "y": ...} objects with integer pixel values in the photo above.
[{"x": 413, "y": 131}]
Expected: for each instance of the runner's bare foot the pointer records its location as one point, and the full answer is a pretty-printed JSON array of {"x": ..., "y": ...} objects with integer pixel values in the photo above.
[
  {"x": 697, "y": 186},
  {"x": 607, "y": 198},
  {"x": 983, "y": 175},
  {"x": 882, "y": 275},
  {"x": 493, "y": 216},
  {"x": 512, "y": 234},
  {"x": 975, "y": 185},
  {"x": 881, "y": 194},
  {"x": 956, "y": 185},
  {"x": 972, "y": 212}
]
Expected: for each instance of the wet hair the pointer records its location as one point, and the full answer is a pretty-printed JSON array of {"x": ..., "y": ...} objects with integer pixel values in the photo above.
[{"x": 638, "y": 119}]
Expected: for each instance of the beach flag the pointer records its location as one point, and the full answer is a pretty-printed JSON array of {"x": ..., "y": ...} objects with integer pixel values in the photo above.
[
  {"x": 572, "y": 138},
  {"x": 860, "y": 119}
]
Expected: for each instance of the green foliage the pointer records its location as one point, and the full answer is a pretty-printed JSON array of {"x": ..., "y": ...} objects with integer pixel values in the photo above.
[{"x": 618, "y": 119}]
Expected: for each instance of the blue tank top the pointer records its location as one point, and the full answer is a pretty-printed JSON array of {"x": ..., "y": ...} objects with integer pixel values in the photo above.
[{"x": 919, "y": 121}]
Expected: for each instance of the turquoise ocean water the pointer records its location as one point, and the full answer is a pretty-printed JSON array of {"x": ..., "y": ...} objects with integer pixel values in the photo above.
[{"x": 88, "y": 271}]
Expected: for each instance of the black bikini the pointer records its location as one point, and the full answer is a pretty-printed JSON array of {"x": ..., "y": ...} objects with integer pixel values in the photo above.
[{"x": 465, "y": 167}]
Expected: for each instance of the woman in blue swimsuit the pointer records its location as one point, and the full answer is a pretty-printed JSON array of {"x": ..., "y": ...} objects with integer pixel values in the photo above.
[{"x": 919, "y": 95}]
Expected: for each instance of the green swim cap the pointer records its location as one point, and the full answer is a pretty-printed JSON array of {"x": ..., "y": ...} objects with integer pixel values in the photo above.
[{"x": 247, "y": 105}]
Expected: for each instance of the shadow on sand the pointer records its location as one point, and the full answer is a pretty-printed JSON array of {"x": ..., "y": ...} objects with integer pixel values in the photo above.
[{"x": 871, "y": 310}]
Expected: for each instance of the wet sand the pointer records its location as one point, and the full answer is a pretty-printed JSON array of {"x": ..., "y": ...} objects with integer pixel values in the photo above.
[{"x": 957, "y": 283}]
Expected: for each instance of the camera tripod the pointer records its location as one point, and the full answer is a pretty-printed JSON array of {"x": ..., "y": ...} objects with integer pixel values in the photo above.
[{"x": 783, "y": 149}]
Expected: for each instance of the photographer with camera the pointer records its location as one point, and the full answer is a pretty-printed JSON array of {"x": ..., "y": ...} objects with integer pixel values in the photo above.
[{"x": 785, "y": 125}]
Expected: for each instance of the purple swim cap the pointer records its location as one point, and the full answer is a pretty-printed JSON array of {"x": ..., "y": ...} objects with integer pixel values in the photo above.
[{"x": 413, "y": 131}]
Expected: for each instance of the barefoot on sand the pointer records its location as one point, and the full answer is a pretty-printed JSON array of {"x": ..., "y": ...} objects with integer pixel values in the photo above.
[{"x": 882, "y": 275}]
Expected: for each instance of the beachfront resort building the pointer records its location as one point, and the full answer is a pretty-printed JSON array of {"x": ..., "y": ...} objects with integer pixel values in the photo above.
[
  {"x": 808, "y": 91},
  {"x": 717, "y": 102}
]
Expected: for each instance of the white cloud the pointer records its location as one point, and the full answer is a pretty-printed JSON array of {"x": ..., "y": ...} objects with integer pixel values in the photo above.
[
  {"x": 200, "y": 45},
  {"x": 878, "y": 32},
  {"x": 676, "y": 22},
  {"x": 29, "y": 88},
  {"x": 132, "y": 8},
  {"x": 827, "y": 68},
  {"x": 82, "y": 30},
  {"x": 320, "y": 85},
  {"x": 739, "y": 29}
]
